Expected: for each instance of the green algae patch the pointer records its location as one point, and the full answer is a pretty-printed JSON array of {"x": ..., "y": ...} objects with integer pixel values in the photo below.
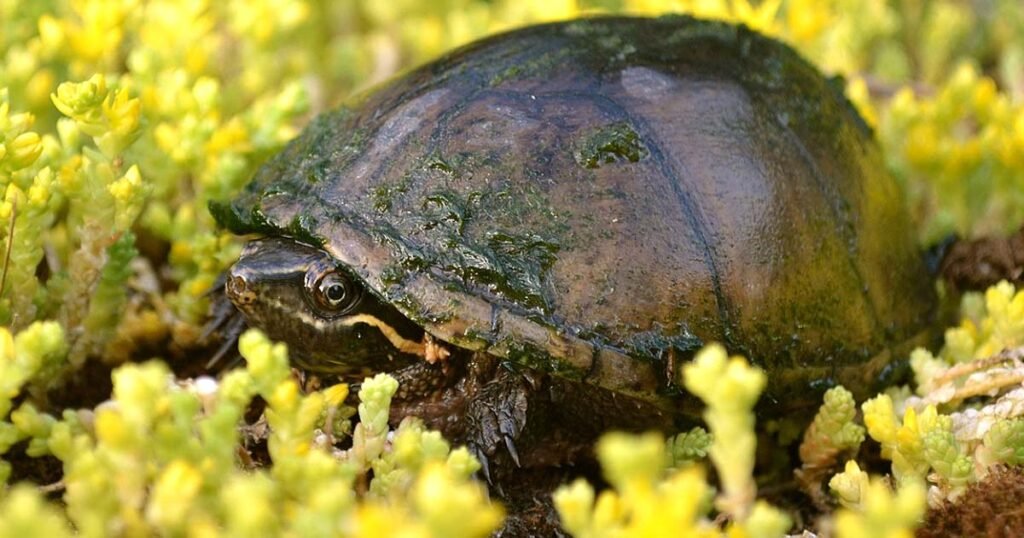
[
  {"x": 530, "y": 356},
  {"x": 542, "y": 64},
  {"x": 240, "y": 221},
  {"x": 506, "y": 264},
  {"x": 384, "y": 195},
  {"x": 616, "y": 142}
]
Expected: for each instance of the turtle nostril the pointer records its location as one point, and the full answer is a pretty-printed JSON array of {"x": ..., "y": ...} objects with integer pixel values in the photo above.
[{"x": 238, "y": 290}]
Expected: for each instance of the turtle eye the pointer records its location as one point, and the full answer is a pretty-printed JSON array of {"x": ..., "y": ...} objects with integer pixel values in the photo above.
[{"x": 335, "y": 293}]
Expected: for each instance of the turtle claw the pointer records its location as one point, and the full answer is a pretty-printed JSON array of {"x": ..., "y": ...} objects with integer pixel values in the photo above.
[
  {"x": 485, "y": 467},
  {"x": 225, "y": 323},
  {"x": 511, "y": 447},
  {"x": 497, "y": 417},
  {"x": 230, "y": 331}
]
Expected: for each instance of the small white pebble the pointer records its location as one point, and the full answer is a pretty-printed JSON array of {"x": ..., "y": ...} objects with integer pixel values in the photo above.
[{"x": 205, "y": 385}]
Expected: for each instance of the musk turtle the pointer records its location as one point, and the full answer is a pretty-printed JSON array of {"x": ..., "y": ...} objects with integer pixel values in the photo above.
[{"x": 569, "y": 211}]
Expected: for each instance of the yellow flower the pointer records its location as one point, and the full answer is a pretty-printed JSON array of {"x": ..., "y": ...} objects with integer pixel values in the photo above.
[
  {"x": 760, "y": 18},
  {"x": 109, "y": 116},
  {"x": 806, "y": 20},
  {"x": 552, "y": 10},
  {"x": 122, "y": 122},
  {"x": 374, "y": 520},
  {"x": 6, "y": 345},
  {"x": 126, "y": 188},
  {"x": 335, "y": 394},
  {"x": 82, "y": 101},
  {"x": 14, "y": 196},
  {"x": 51, "y": 34},
  {"x": 41, "y": 189},
  {"x": 438, "y": 495},
  {"x": 1018, "y": 128},
  {"x": 263, "y": 20},
  {"x": 985, "y": 97},
  {"x": 285, "y": 396},
  {"x": 857, "y": 91},
  {"x": 101, "y": 28},
  {"x": 173, "y": 494},
  {"x": 630, "y": 460},
  {"x": 575, "y": 504},
  {"x": 111, "y": 429},
  {"x": 850, "y": 485},
  {"x": 610, "y": 512},
  {"x": 880, "y": 420},
  {"x": 24, "y": 511},
  {"x": 883, "y": 514},
  {"x": 231, "y": 136},
  {"x": 680, "y": 502},
  {"x": 23, "y": 150},
  {"x": 729, "y": 383}
]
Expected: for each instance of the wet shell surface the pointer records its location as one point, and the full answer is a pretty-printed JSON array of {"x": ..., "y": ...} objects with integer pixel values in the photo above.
[{"x": 599, "y": 198}]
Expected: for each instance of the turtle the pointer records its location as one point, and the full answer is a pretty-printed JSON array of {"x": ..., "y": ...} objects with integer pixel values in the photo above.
[{"x": 535, "y": 232}]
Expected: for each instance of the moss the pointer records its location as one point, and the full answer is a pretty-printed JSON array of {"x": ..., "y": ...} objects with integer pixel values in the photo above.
[
  {"x": 526, "y": 355},
  {"x": 540, "y": 64},
  {"x": 384, "y": 194},
  {"x": 609, "y": 144},
  {"x": 239, "y": 220}
]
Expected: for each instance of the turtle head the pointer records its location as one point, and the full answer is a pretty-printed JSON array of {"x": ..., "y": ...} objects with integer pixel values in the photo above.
[{"x": 331, "y": 322}]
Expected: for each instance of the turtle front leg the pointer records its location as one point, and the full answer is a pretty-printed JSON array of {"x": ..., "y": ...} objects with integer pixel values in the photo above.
[
  {"x": 497, "y": 413},
  {"x": 472, "y": 400}
]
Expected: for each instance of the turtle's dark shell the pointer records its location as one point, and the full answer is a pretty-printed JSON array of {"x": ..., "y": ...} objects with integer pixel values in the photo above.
[{"x": 599, "y": 198}]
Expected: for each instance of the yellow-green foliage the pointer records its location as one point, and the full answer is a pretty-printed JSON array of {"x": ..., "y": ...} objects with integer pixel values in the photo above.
[
  {"x": 962, "y": 142},
  {"x": 729, "y": 389},
  {"x": 918, "y": 443},
  {"x": 875, "y": 511},
  {"x": 966, "y": 413},
  {"x": 649, "y": 499},
  {"x": 161, "y": 457},
  {"x": 35, "y": 352},
  {"x": 832, "y": 433},
  {"x": 833, "y": 429},
  {"x": 686, "y": 448},
  {"x": 120, "y": 119},
  {"x": 992, "y": 322}
]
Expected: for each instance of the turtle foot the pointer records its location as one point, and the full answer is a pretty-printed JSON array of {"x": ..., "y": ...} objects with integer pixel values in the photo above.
[{"x": 497, "y": 415}]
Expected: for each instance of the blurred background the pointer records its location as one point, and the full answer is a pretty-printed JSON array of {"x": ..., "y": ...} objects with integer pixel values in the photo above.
[{"x": 121, "y": 119}]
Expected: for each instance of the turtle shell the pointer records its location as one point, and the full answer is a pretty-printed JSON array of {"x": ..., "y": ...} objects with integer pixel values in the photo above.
[{"x": 599, "y": 198}]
